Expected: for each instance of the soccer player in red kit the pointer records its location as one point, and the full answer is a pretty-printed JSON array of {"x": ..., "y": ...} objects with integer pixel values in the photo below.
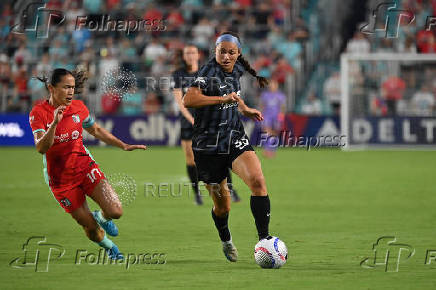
[{"x": 69, "y": 168}]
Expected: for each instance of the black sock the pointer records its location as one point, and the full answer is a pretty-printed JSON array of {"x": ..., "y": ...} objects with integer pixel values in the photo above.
[
  {"x": 221, "y": 224},
  {"x": 192, "y": 172},
  {"x": 260, "y": 207}
]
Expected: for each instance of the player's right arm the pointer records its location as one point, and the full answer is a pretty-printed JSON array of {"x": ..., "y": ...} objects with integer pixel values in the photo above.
[
  {"x": 178, "y": 96},
  {"x": 44, "y": 140}
]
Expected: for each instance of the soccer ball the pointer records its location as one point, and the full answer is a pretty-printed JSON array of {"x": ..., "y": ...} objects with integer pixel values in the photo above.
[{"x": 270, "y": 253}]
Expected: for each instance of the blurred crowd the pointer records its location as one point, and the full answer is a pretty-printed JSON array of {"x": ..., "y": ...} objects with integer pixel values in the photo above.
[
  {"x": 399, "y": 87},
  {"x": 271, "y": 42},
  {"x": 282, "y": 39}
]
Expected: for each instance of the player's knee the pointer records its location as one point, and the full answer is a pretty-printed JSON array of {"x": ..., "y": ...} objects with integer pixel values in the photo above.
[
  {"x": 116, "y": 212},
  {"x": 257, "y": 184},
  {"x": 222, "y": 210}
]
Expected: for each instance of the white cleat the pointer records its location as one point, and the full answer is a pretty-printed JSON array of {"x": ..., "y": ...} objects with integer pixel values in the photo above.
[{"x": 230, "y": 251}]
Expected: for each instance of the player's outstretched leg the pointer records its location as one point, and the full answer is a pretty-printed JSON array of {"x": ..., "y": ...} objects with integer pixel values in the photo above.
[
  {"x": 84, "y": 218},
  {"x": 220, "y": 213},
  {"x": 104, "y": 195},
  {"x": 247, "y": 167},
  {"x": 233, "y": 193}
]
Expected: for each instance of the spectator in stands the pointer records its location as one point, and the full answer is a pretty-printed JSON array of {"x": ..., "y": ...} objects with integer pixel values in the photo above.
[
  {"x": 154, "y": 50},
  {"x": 291, "y": 50},
  {"x": 43, "y": 68},
  {"x": 21, "y": 100},
  {"x": 152, "y": 104},
  {"x": 110, "y": 103},
  {"x": 423, "y": 102},
  {"x": 282, "y": 70},
  {"x": 332, "y": 92},
  {"x": 392, "y": 91},
  {"x": 57, "y": 51},
  {"x": 93, "y": 6},
  {"x": 132, "y": 104},
  {"x": 37, "y": 89},
  {"x": 312, "y": 105},
  {"x": 22, "y": 54},
  {"x": 409, "y": 45},
  {"x": 262, "y": 19},
  {"x": 5, "y": 81},
  {"x": 425, "y": 41},
  {"x": 358, "y": 44},
  {"x": 203, "y": 33}
]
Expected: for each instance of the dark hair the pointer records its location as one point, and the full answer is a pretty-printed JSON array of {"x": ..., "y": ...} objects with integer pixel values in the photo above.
[
  {"x": 263, "y": 82},
  {"x": 180, "y": 61},
  {"x": 80, "y": 77}
]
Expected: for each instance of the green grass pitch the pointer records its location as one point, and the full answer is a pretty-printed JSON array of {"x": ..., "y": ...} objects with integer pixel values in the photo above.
[{"x": 328, "y": 206}]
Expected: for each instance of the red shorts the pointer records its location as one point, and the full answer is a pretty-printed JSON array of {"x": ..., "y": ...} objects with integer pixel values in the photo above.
[{"x": 73, "y": 198}]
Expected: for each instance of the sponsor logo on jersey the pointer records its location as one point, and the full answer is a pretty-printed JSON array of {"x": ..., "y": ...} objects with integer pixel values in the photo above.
[{"x": 75, "y": 135}]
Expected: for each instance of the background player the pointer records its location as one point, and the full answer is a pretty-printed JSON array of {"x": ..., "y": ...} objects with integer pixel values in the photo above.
[
  {"x": 219, "y": 140},
  {"x": 69, "y": 168},
  {"x": 272, "y": 102},
  {"x": 182, "y": 78}
]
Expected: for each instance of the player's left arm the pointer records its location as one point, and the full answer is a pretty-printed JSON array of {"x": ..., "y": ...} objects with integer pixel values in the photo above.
[
  {"x": 247, "y": 111},
  {"x": 105, "y": 136}
]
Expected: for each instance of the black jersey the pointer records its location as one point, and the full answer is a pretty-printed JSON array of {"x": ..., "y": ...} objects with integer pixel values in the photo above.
[
  {"x": 181, "y": 79},
  {"x": 217, "y": 126}
]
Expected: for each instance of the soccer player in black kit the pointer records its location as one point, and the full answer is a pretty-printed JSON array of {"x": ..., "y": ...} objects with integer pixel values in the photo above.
[
  {"x": 219, "y": 141},
  {"x": 182, "y": 78}
]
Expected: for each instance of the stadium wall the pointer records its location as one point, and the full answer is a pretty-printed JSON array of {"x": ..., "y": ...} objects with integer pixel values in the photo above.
[{"x": 164, "y": 130}]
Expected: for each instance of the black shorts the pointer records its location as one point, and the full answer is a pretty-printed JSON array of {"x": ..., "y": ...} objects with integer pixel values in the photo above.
[
  {"x": 186, "y": 133},
  {"x": 214, "y": 168}
]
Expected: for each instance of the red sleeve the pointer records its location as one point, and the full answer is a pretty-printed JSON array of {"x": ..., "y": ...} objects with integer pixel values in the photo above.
[{"x": 36, "y": 120}]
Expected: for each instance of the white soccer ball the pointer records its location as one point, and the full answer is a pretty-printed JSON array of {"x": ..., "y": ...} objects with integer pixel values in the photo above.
[{"x": 270, "y": 253}]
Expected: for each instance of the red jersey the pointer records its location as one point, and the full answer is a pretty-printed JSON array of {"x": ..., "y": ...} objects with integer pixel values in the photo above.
[{"x": 67, "y": 158}]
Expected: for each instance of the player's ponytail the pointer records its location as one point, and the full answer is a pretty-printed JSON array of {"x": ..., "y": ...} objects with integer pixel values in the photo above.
[
  {"x": 80, "y": 76},
  {"x": 42, "y": 79},
  {"x": 263, "y": 82}
]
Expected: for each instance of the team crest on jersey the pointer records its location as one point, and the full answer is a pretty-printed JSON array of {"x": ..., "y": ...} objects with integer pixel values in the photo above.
[
  {"x": 31, "y": 119},
  {"x": 76, "y": 118}
]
